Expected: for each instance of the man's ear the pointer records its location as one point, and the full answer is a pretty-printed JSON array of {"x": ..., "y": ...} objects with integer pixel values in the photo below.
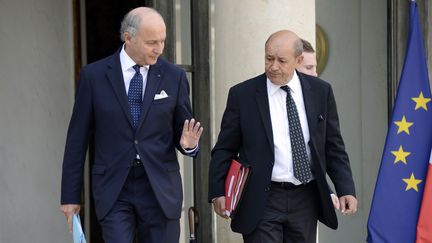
[
  {"x": 299, "y": 59},
  {"x": 127, "y": 37}
]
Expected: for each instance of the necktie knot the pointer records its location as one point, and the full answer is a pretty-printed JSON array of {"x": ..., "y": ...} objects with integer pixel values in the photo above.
[
  {"x": 286, "y": 89},
  {"x": 136, "y": 68}
]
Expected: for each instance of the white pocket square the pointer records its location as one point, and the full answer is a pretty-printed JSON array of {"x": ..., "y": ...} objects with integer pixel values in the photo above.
[{"x": 162, "y": 95}]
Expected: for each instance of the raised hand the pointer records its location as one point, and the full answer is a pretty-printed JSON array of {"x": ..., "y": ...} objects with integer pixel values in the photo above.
[{"x": 191, "y": 134}]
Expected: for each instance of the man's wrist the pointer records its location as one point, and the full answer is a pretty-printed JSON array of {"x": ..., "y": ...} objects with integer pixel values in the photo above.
[{"x": 190, "y": 150}]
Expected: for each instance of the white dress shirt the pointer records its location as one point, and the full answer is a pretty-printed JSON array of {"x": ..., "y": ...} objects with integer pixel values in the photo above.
[
  {"x": 283, "y": 164},
  {"x": 128, "y": 72}
]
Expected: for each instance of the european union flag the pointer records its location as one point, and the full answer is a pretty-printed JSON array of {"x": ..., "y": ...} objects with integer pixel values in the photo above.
[{"x": 401, "y": 178}]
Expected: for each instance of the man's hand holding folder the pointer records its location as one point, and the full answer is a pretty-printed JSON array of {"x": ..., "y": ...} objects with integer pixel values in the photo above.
[
  {"x": 235, "y": 183},
  {"x": 219, "y": 207}
]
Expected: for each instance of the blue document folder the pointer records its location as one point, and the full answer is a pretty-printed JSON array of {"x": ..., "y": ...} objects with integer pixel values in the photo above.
[{"x": 78, "y": 234}]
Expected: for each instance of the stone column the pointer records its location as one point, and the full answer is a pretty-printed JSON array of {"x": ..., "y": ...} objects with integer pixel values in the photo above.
[
  {"x": 36, "y": 97},
  {"x": 239, "y": 31}
]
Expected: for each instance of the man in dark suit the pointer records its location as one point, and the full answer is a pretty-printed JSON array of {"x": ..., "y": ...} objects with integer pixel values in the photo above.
[
  {"x": 284, "y": 124},
  {"x": 136, "y": 108}
]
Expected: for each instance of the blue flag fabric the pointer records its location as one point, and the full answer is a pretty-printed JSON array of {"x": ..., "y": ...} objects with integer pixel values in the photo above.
[
  {"x": 77, "y": 231},
  {"x": 401, "y": 178}
]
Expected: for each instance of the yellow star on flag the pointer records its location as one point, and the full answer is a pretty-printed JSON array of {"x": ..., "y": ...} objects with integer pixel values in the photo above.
[
  {"x": 411, "y": 182},
  {"x": 421, "y": 101},
  {"x": 403, "y": 125},
  {"x": 400, "y": 155}
]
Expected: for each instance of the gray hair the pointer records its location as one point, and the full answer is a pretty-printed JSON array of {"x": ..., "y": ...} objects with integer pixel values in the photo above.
[
  {"x": 132, "y": 20},
  {"x": 298, "y": 45},
  {"x": 130, "y": 24}
]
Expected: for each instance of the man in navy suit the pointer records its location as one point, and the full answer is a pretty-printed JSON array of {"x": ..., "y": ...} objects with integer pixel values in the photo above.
[
  {"x": 284, "y": 124},
  {"x": 136, "y": 108}
]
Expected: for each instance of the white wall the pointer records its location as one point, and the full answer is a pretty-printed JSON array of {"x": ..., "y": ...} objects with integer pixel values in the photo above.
[
  {"x": 357, "y": 70},
  {"x": 239, "y": 31},
  {"x": 36, "y": 94}
]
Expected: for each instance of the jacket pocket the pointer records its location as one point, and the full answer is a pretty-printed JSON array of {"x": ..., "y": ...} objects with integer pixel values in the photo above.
[
  {"x": 163, "y": 101},
  {"x": 98, "y": 169}
]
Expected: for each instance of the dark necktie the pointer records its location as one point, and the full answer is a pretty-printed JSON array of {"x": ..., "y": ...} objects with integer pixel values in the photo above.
[
  {"x": 302, "y": 170},
  {"x": 135, "y": 95}
]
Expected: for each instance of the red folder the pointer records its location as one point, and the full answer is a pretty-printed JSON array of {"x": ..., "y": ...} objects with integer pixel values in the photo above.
[{"x": 234, "y": 184}]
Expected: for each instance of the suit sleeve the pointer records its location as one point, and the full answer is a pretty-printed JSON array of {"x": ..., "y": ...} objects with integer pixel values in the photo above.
[
  {"x": 227, "y": 146},
  {"x": 77, "y": 144},
  {"x": 183, "y": 111},
  {"x": 337, "y": 160}
]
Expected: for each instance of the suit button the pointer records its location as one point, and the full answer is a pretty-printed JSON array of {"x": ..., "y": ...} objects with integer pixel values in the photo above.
[
  {"x": 136, "y": 141},
  {"x": 267, "y": 189}
]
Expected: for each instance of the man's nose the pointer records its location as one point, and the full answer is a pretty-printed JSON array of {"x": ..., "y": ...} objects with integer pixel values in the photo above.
[
  {"x": 274, "y": 66},
  {"x": 159, "y": 48}
]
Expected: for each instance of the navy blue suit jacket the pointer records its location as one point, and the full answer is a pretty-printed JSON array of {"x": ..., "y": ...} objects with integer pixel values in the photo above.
[
  {"x": 246, "y": 131},
  {"x": 102, "y": 112}
]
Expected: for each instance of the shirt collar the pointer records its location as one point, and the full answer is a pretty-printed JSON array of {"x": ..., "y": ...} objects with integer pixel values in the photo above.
[
  {"x": 294, "y": 85},
  {"x": 126, "y": 61}
]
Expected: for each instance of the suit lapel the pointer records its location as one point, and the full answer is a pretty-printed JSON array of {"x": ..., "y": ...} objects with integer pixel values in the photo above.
[
  {"x": 154, "y": 78},
  {"x": 263, "y": 107},
  {"x": 310, "y": 99},
  {"x": 115, "y": 76}
]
